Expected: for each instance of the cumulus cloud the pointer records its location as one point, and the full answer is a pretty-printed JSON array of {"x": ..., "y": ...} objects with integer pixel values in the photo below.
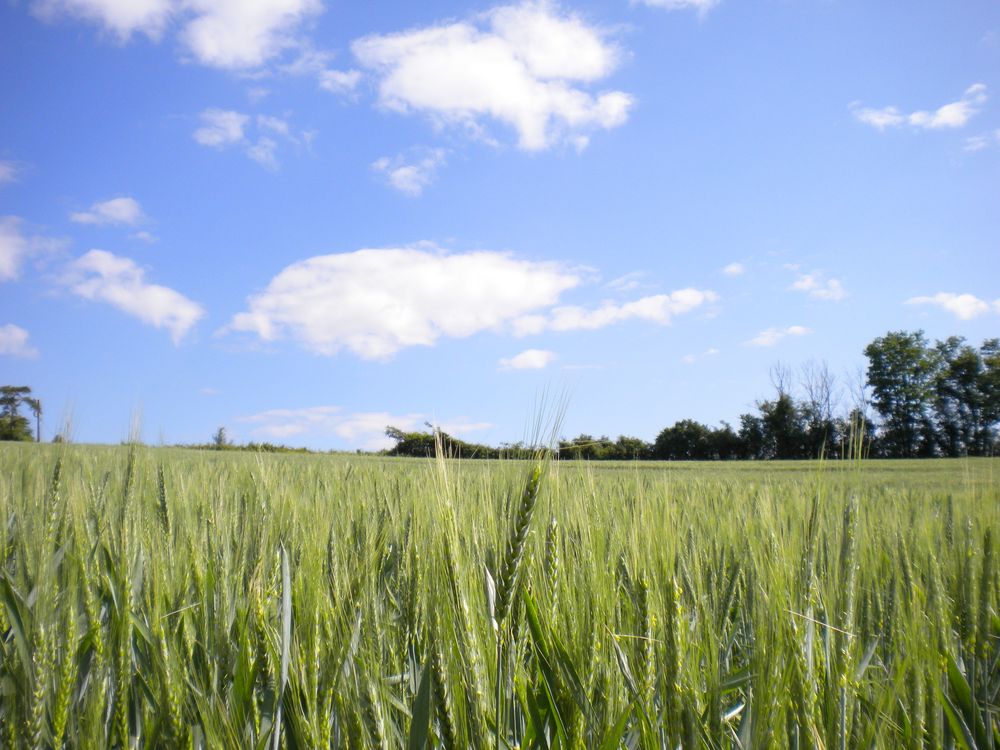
[
  {"x": 816, "y": 285},
  {"x": 771, "y": 336},
  {"x": 14, "y": 342},
  {"x": 410, "y": 176},
  {"x": 123, "y": 18},
  {"x": 101, "y": 276},
  {"x": 230, "y": 34},
  {"x": 962, "y": 306},
  {"x": 734, "y": 269},
  {"x": 529, "y": 359},
  {"x": 702, "y": 6},
  {"x": 238, "y": 34},
  {"x": 375, "y": 302},
  {"x": 364, "y": 430},
  {"x": 522, "y": 65},
  {"x": 122, "y": 210},
  {"x": 951, "y": 115}
]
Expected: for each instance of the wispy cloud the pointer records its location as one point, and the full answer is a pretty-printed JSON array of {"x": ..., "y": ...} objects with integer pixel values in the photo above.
[
  {"x": 13, "y": 247},
  {"x": 122, "y": 210},
  {"x": 690, "y": 359},
  {"x": 951, "y": 115},
  {"x": 657, "y": 308},
  {"x": 962, "y": 306},
  {"x": 982, "y": 141},
  {"x": 339, "y": 81},
  {"x": 14, "y": 342},
  {"x": 410, "y": 176},
  {"x": 221, "y": 128},
  {"x": 17, "y": 245},
  {"x": 529, "y": 359},
  {"x": 734, "y": 269},
  {"x": 771, "y": 336},
  {"x": 626, "y": 283},
  {"x": 525, "y": 65},
  {"x": 701, "y": 6},
  {"x": 8, "y": 172},
  {"x": 818, "y": 286},
  {"x": 364, "y": 430},
  {"x": 101, "y": 276}
]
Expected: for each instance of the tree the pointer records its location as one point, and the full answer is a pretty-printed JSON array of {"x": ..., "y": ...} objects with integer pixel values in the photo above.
[
  {"x": 958, "y": 400},
  {"x": 14, "y": 426},
  {"x": 220, "y": 441},
  {"x": 36, "y": 408},
  {"x": 989, "y": 388},
  {"x": 687, "y": 440},
  {"x": 901, "y": 370},
  {"x": 784, "y": 433}
]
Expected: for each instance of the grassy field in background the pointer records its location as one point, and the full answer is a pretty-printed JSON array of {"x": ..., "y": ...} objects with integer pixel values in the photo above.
[{"x": 156, "y": 597}]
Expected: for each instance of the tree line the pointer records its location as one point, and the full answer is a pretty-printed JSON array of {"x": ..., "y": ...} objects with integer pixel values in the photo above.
[{"x": 916, "y": 399}]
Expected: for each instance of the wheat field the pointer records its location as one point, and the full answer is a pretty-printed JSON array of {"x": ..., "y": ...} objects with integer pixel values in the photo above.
[{"x": 163, "y": 598}]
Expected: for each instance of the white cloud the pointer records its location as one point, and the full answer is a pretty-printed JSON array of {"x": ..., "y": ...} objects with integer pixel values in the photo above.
[
  {"x": 522, "y": 65},
  {"x": 410, "y": 177},
  {"x": 13, "y": 247},
  {"x": 962, "y": 306},
  {"x": 360, "y": 429},
  {"x": 690, "y": 359},
  {"x": 951, "y": 115},
  {"x": 982, "y": 141},
  {"x": 221, "y": 128},
  {"x": 819, "y": 287},
  {"x": 8, "y": 172},
  {"x": 14, "y": 342},
  {"x": 263, "y": 152},
  {"x": 628, "y": 282},
  {"x": 103, "y": 277},
  {"x": 529, "y": 359},
  {"x": 772, "y": 336},
  {"x": 120, "y": 17},
  {"x": 144, "y": 236},
  {"x": 16, "y": 247},
  {"x": 702, "y": 6},
  {"x": 734, "y": 269},
  {"x": 375, "y": 302},
  {"x": 224, "y": 128},
  {"x": 339, "y": 81},
  {"x": 658, "y": 308},
  {"x": 242, "y": 34},
  {"x": 122, "y": 210}
]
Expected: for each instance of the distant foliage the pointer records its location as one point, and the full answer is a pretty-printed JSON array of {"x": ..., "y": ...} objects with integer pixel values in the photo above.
[{"x": 14, "y": 425}]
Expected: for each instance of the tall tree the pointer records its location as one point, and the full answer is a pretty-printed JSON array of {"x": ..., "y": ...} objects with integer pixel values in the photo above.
[
  {"x": 901, "y": 370},
  {"x": 36, "y": 408},
  {"x": 13, "y": 426},
  {"x": 958, "y": 399}
]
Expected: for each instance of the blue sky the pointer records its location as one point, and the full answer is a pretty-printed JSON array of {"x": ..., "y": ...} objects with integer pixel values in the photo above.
[{"x": 306, "y": 220}]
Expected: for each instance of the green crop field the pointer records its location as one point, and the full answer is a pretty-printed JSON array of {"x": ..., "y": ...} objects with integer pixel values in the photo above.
[{"x": 168, "y": 598}]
